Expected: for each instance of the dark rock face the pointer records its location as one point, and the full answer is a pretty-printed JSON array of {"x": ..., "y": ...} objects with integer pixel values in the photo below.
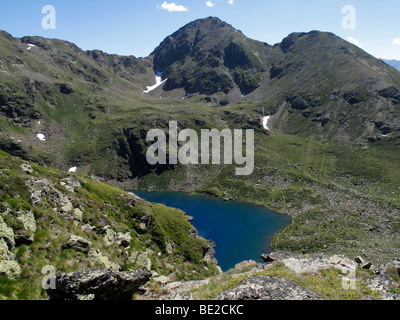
[
  {"x": 383, "y": 127},
  {"x": 303, "y": 101},
  {"x": 65, "y": 88},
  {"x": 276, "y": 256},
  {"x": 351, "y": 98},
  {"x": 125, "y": 67},
  {"x": 236, "y": 57},
  {"x": 38, "y": 41},
  {"x": 10, "y": 146},
  {"x": 267, "y": 288},
  {"x": 391, "y": 92},
  {"x": 98, "y": 285},
  {"x": 131, "y": 147},
  {"x": 17, "y": 102},
  {"x": 288, "y": 42},
  {"x": 276, "y": 72}
]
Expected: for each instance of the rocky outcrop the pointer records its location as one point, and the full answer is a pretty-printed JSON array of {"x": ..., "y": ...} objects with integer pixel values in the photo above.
[
  {"x": 209, "y": 253},
  {"x": 65, "y": 88},
  {"x": 7, "y": 234},
  {"x": 98, "y": 285},
  {"x": 311, "y": 263},
  {"x": 17, "y": 100},
  {"x": 20, "y": 229},
  {"x": 79, "y": 244},
  {"x": 12, "y": 147},
  {"x": 24, "y": 227},
  {"x": 267, "y": 288},
  {"x": 387, "y": 283},
  {"x": 45, "y": 190},
  {"x": 113, "y": 238},
  {"x": 70, "y": 183},
  {"x": 9, "y": 266},
  {"x": 178, "y": 290},
  {"x": 382, "y": 284},
  {"x": 141, "y": 260},
  {"x": 390, "y": 92},
  {"x": 98, "y": 258}
]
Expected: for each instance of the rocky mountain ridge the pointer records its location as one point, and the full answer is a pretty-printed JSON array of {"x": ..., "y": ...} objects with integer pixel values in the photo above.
[{"x": 211, "y": 62}]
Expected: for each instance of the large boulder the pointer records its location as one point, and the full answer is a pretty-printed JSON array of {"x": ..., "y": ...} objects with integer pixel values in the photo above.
[
  {"x": 10, "y": 269},
  {"x": 24, "y": 227},
  {"x": 143, "y": 261},
  {"x": 9, "y": 266},
  {"x": 311, "y": 263},
  {"x": 7, "y": 234},
  {"x": 113, "y": 238},
  {"x": 40, "y": 189},
  {"x": 79, "y": 244},
  {"x": 92, "y": 284},
  {"x": 276, "y": 256},
  {"x": 267, "y": 288},
  {"x": 98, "y": 258},
  {"x": 209, "y": 253}
]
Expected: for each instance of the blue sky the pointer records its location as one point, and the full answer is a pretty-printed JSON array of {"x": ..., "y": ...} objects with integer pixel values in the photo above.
[{"x": 136, "y": 27}]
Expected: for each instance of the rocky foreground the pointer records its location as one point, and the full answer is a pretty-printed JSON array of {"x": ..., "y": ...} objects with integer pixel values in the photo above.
[{"x": 293, "y": 276}]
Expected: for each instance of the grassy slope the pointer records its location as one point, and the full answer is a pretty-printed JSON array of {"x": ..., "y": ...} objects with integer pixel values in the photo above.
[
  {"x": 102, "y": 205},
  {"x": 342, "y": 198},
  {"x": 327, "y": 284}
]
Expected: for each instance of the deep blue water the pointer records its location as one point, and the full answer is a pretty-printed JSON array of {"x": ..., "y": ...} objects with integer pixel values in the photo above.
[{"x": 240, "y": 230}]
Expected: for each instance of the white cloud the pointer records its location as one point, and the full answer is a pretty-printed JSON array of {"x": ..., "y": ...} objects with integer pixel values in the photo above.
[
  {"x": 230, "y": 2},
  {"x": 353, "y": 41},
  {"x": 396, "y": 41},
  {"x": 172, "y": 7},
  {"x": 210, "y": 4}
]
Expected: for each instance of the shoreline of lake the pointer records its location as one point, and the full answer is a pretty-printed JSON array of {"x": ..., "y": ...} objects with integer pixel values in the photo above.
[{"x": 239, "y": 236}]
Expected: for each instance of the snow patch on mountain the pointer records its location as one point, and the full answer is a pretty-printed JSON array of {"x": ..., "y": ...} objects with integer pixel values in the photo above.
[
  {"x": 159, "y": 82},
  {"x": 265, "y": 122},
  {"x": 41, "y": 137}
]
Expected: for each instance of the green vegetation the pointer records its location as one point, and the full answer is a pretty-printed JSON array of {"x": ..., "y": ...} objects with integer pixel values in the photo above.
[
  {"x": 327, "y": 283},
  {"x": 103, "y": 208}
]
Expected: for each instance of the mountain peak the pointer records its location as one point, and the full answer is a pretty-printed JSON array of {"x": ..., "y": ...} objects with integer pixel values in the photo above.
[
  {"x": 211, "y": 22},
  {"x": 208, "y": 56},
  {"x": 193, "y": 32}
]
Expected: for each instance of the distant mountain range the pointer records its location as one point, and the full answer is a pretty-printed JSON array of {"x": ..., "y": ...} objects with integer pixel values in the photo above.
[
  {"x": 394, "y": 63},
  {"x": 311, "y": 83}
]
